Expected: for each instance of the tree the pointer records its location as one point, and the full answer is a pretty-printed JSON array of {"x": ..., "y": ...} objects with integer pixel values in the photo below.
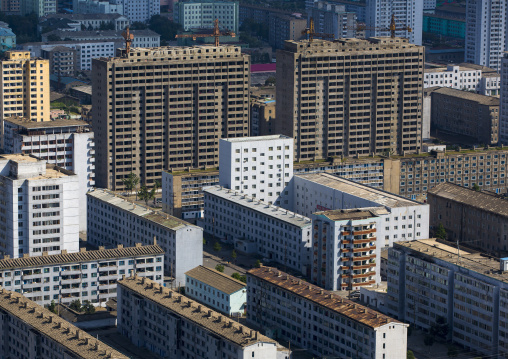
[
  {"x": 243, "y": 278},
  {"x": 88, "y": 307},
  {"x": 441, "y": 231},
  {"x": 257, "y": 264},
  {"x": 217, "y": 247},
  {"x": 145, "y": 194},
  {"x": 130, "y": 182},
  {"x": 219, "y": 268},
  {"x": 236, "y": 275},
  {"x": 270, "y": 81},
  {"x": 75, "y": 305},
  {"x": 138, "y": 25},
  {"x": 453, "y": 352},
  {"x": 166, "y": 28},
  {"x": 54, "y": 37},
  {"x": 107, "y": 26},
  {"x": 439, "y": 329},
  {"x": 52, "y": 307},
  {"x": 428, "y": 340},
  {"x": 410, "y": 355},
  {"x": 476, "y": 187},
  {"x": 234, "y": 255}
]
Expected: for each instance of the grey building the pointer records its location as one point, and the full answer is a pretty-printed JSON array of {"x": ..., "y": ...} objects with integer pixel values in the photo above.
[{"x": 285, "y": 27}]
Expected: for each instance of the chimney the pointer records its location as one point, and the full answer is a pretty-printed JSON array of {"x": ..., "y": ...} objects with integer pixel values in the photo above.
[
  {"x": 27, "y": 255},
  {"x": 209, "y": 314},
  {"x": 63, "y": 251},
  {"x": 82, "y": 250},
  {"x": 44, "y": 254},
  {"x": 138, "y": 245},
  {"x": 120, "y": 246},
  {"x": 7, "y": 256}
]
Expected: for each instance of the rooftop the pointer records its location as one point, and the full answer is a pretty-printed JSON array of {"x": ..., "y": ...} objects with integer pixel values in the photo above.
[
  {"x": 347, "y": 214},
  {"x": 197, "y": 313},
  {"x": 104, "y": 34},
  {"x": 85, "y": 89},
  {"x": 48, "y": 324},
  {"x": 216, "y": 279},
  {"x": 26, "y": 123},
  {"x": 324, "y": 298},
  {"x": 317, "y": 47},
  {"x": 257, "y": 138},
  {"x": 82, "y": 256},
  {"x": 259, "y": 206},
  {"x": 82, "y": 16},
  {"x": 470, "y": 197},
  {"x": 473, "y": 261},
  {"x": 120, "y": 202},
  {"x": 470, "y": 96},
  {"x": 359, "y": 190}
]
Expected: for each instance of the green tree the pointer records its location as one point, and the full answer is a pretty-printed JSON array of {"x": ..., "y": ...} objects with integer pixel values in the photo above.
[
  {"x": 217, "y": 247},
  {"x": 476, "y": 187},
  {"x": 88, "y": 307},
  {"x": 410, "y": 355},
  {"x": 166, "y": 28},
  {"x": 145, "y": 194},
  {"x": 243, "y": 278},
  {"x": 428, "y": 340},
  {"x": 234, "y": 256},
  {"x": 236, "y": 275},
  {"x": 441, "y": 231},
  {"x": 107, "y": 26},
  {"x": 52, "y": 307},
  {"x": 270, "y": 81},
  {"x": 130, "y": 182},
  {"x": 75, "y": 305},
  {"x": 257, "y": 264},
  {"x": 137, "y": 25},
  {"x": 219, "y": 268},
  {"x": 453, "y": 352},
  {"x": 439, "y": 329}
]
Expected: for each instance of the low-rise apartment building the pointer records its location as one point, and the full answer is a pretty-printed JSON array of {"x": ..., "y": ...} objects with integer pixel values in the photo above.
[
  {"x": 479, "y": 219},
  {"x": 257, "y": 227},
  {"x": 29, "y": 331},
  {"x": 428, "y": 280},
  {"x": 114, "y": 220},
  {"x": 320, "y": 321},
  {"x": 39, "y": 207},
  {"x": 217, "y": 290},
  {"x": 86, "y": 275},
  {"x": 176, "y": 326},
  {"x": 68, "y": 144}
]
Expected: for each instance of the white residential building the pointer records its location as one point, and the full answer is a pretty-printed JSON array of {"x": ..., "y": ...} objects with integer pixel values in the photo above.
[
  {"x": 68, "y": 144},
  {"x": 407, "y": 13},
  {"x": 259, "y": 167},
  {"x": 29, "y": 331},
  {"x": 177, "y": 327},
  {"x": 345, "y": 250},
  {"x": 217, "y": 290},
  {"x": 139, "y": 10},
  {"x": 97, "y": 7},
  {"x": 464, "y": 77},
  {"x": 331, "y": 18},
  {"x": 39, "y": 207},
  {"x": 320, "y": 321},
  {"x": 198, "y": 14},
  {"x": 114, "y": 220},
  {"x": 486, "y": 29},
  {"x": 429, "y": 5},
  {"x": 503, "y": 103},
  {"x": 404, "y": 219},
  {"x": 428, "y": 280},
  {"x": 38, "y": 7},
  {"x": 86, "y": 275},
  {"x": 256, "y": 227}
]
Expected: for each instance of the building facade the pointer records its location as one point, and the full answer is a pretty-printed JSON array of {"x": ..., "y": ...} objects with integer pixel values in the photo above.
[
  {"x": 259, "y": 167},
  {"x": 24, "y": 79},
  {"x": 201, "y": 14},
  {"x": 408, "y": 13},
  {"x": 90, "y": 275},
  {"x": 28, "y": 330},
  {"x": 38, "y": 7},
  {"x": 139, "y": 10},
  {"x": 503, "y": 121},
  {"x": 253, "y": 226},
  {"x": 216, "y": 290},
  {"x": 192, "y": 129},
  {"x": 327, "y": 121},
  {"x": 427, "y": 280},
  {"x": 68, "y": 144},
  {"x": 113, "y": 220},
  {"x": 331, "y": 18},
  {"x": 320, "y": 321},
  {"x": 284, "y": 27},
  {"x": 182, "y": 328},
  {"x": 465, "y": 114},
  {"x": 262, "y": 116},
  {"x": 63, "y": 60},
  {"x": 94, "y": 21},
  {"x": 7, "y": 37},
  {"x": 39, "y": 207}
]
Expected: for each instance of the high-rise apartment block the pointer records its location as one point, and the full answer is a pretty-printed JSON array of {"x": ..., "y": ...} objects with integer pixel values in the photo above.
[
  {"x": 486, "y": 29},
  {"x": 331, "y": 18},
  {"x": 24, "y": 86},
  {"x": 284, "y": 27},
  {"x": 68, "y": 144},
  {"x": 407, "y": 13},
  {"x": 156, "y": 109},
  {"x": 259, "y": 167},
  {"x": 199, "y": 14},
  {"x": 39, "y": 207},
  {"x": 503, "y": 105},
  {"x": 350, "y": 97},
  {"x": 38, "y": 7}
]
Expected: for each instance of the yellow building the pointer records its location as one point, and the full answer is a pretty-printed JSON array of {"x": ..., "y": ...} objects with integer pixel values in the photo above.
[{"x": 24, "y": 86}]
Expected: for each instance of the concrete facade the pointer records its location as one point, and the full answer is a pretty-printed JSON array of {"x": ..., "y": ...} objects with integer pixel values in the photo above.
[
  {"x": 201, "y": 14},
  {"x": 258, "y": 228},
  {"x": 503, "y": 120},
  {"x": 113, "y": 220},
  {"x": 63, "y": 60},
  {"x": 192, "y": 131},
  {"x": 85, "y": 275},
  {"x": 284, "y": 27},
  {"x": 319, "y": 321},
  {"x": 182, "y": 328},
  {"x": 330, "y": 18},
  {"x": 39, "y": 207},
  {"x": 259, "y": 167},
  {"x": 326, "y": 121}
]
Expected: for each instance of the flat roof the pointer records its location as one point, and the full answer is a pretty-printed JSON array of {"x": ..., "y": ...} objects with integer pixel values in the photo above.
[
  {"x": 257, "y": 138},
  {"x": 347, "y": 214},
  {"x": 325, "y": 298},
  {"x": 120, "y": 202},
  {"x": 78, "y": 257},
  {"x": 28, "y": 124},
  {"x": 216, "y": 279},
  {"x": 359, "y": 190},
  {"x": 470, "y": 197},
  {"x": 195, "y": 312},
  {"x": 471, "y": 260},
  {"x": 259, "y": 206},
  {"x": 50, "y": 325},
  {"x": 466, "y": 95}
]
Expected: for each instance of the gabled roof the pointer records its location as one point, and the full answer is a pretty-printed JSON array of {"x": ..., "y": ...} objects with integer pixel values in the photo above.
[{"x": 216, "y": 279}]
